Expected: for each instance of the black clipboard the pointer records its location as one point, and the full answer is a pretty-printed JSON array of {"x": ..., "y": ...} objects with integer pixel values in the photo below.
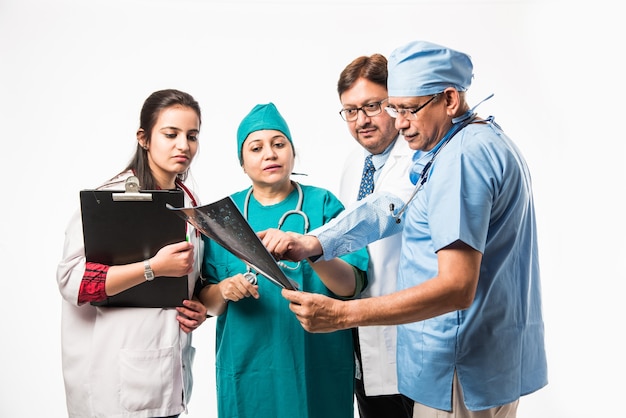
[
  {"x": 122, "y": 227},
  {"x": 223, "y": 222}
]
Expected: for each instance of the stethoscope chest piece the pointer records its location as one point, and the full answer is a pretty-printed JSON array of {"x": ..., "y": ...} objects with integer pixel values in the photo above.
[{"x": 250, "y": 277}]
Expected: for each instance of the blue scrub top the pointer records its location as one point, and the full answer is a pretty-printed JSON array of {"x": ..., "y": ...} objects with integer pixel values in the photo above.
[{"x": 478, "y": 192}]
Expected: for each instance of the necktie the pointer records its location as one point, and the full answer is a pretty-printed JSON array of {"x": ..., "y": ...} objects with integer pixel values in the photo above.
[{"x": 367, "y": 179}]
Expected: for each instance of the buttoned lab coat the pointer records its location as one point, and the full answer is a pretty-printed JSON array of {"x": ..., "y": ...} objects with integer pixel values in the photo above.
[
  {"x": 131, "y": 362},
  {"x": 378, "y": 343}
]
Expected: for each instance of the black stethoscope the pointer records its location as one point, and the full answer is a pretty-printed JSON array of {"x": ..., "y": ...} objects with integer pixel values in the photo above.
[
  {"x": 421, "y": 180},
  {"x": 249, "y": 275},
  {"x": 457, "y": 124}
]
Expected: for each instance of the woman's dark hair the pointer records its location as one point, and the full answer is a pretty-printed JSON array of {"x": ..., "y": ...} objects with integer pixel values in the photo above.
[
  {"x": 372, "y": 68},
  {"x": 150, "y": 111}
]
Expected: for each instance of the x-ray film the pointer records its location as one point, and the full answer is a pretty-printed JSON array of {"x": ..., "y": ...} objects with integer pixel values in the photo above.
[{"x": 223, "y": 222}]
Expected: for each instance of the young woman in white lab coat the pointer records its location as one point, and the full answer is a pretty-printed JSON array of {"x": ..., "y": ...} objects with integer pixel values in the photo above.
[{"x": 135, "y": 362}]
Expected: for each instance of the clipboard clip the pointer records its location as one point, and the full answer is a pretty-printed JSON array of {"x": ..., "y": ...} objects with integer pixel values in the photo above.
[{"x": 132, "y": 193}]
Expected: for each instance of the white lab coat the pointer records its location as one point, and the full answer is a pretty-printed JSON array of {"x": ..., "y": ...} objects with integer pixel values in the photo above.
[
  {"x": 378, "y": 343},
  {"x": 130, "y": 362}
]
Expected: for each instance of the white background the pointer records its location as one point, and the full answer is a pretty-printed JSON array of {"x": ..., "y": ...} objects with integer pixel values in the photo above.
[{"x": 74, "y": 74}]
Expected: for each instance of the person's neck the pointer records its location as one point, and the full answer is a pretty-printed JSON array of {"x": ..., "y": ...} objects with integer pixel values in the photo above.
[
  {"x": 165, "y": 182},
  {"x": 270, "y": 194}
]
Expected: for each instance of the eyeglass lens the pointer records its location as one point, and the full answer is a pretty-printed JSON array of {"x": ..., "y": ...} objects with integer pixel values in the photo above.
[
  {"x": 370, "y": 109},
  {"x": 408, "y": 113}
]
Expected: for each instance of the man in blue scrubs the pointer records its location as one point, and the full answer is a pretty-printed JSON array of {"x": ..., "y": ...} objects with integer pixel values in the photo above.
[{"x": 468, "y": 300}]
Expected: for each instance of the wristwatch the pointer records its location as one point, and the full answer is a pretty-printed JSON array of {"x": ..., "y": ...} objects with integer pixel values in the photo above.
[{"x": 147, "y": 270}]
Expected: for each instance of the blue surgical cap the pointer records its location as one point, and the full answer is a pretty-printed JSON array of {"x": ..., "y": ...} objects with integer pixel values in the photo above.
[
  {"x": 421, "y": 68},
  {"x": 261, "y": 117}
]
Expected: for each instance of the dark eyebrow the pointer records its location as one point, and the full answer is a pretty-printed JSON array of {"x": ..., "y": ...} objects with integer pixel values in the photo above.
[
  {"x": 351, "y": 106},
  {"x": 174, "y": 128}
]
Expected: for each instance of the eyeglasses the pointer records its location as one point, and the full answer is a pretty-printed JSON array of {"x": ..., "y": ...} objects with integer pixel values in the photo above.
[
  {"x": 370, "y": 109},
  {"x": 410, "y": 112}
]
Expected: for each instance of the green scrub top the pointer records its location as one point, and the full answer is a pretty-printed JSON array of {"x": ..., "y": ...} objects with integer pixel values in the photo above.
[{"x": 267, "y": 365}]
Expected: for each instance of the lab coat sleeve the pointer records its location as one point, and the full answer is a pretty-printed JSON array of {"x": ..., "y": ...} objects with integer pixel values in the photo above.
[
  {"x": 71, "y": 269},
  {"x": 367, "y": 221}
]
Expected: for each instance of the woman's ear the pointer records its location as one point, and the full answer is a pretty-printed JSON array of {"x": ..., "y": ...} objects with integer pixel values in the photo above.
[{"x": 141, "y": 138}]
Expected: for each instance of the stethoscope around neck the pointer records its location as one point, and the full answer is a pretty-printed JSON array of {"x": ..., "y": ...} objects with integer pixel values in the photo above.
[
  {"x": 458, "y": 123},
  {"x": 249, "y": 275}
]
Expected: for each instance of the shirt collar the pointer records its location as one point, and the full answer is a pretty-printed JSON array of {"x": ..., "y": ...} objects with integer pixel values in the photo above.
[{"x": 379, "y": 160}]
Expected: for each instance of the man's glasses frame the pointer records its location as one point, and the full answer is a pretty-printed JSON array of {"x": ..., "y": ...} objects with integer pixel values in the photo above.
[
  {"x": 370, "y": 109},
  {"x": 409, "y": 113}
]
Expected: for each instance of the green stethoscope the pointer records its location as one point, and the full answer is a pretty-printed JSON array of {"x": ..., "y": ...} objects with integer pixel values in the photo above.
[{"x": 249, "y": 275}]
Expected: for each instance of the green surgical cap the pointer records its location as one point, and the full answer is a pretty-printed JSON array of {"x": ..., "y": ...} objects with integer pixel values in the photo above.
[{"x": 261, "y": 117}]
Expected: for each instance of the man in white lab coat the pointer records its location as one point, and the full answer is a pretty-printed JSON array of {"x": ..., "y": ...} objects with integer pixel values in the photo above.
[{"x": 362, "y": 89}]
